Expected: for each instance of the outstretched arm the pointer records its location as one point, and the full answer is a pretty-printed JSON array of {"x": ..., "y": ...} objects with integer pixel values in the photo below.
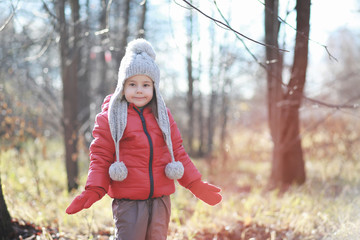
[
  {"x": 206, "y": 192},
  {"x": 85, "y": 199}
]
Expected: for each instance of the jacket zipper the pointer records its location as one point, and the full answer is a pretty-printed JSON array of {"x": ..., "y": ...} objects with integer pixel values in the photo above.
[{"x": 151, "y": 152}]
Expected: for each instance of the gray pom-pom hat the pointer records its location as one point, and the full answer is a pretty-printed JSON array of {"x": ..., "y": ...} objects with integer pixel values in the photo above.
[{"x": 139, "y": 59}]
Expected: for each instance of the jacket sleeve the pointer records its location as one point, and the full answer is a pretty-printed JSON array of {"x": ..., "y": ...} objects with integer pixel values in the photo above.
[
  {"x": 102, "y": 151},
  {"x": 191, "y": 173}
]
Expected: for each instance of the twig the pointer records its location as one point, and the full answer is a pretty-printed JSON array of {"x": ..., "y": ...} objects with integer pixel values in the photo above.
[
  {"x": 41, "y": 52},
  {"x": 47, "y": 9},
  {"x": 10, "y": 17},
  {"x": 335, "y": 109},
  {"x": 336, "y": 106},
  {"x": 188, "y": 8},
  {"x": 242, "y": 41},
  {"x": 301, "y": 33}
]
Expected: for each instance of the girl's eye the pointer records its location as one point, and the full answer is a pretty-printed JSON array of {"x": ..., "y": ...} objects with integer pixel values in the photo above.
[
  {"x": 146, "y": 85},
  {"x": 132, "y": 84}
]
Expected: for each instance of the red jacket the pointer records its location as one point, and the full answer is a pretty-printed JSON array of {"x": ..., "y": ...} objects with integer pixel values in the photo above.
[{"x": 146, "y": 172}]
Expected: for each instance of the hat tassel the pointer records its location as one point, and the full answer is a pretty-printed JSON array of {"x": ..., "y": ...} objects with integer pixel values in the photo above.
[{"x": 118, "y": 170}]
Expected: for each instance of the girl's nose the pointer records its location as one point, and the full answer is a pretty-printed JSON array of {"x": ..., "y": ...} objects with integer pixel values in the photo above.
[{"x": 139, "y": 90}]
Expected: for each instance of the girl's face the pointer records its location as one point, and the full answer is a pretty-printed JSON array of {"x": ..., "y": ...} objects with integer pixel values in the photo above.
[{"x": 139, "y": 90}]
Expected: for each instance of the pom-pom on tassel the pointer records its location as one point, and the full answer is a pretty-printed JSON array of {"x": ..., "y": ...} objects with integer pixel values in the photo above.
[
  {"x": 174, "y": 170},
  {"x": 118, "y": 171}
]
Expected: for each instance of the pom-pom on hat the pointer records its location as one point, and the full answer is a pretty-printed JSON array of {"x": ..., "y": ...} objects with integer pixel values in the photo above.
[{"x": 139, "y": 59}]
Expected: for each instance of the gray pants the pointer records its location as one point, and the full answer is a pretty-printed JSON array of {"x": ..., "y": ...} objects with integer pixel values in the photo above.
[{"x": 141, "y": 220}]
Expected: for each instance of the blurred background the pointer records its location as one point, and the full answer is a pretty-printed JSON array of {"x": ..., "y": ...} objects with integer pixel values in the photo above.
[{"x": 59, "y": 59}]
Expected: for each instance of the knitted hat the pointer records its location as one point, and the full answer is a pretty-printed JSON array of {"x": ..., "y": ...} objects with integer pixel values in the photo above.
[{"x": 139, "y": 59}]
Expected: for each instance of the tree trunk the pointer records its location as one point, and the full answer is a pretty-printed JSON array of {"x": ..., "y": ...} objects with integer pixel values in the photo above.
[
  {"x": 201, "y": 120},
  {"x": 290, "y": 135},
  {"x": 142, "y": 19},
  {"x": 6, "y": 230},
  {"x": 200, "y": 151},
  {"x": 190, "y": 93},
  {"x": 124, "y": 30},
  {"x": 69, "y": 75},
  {"x": 274, "y": 79},
  {"x": 84, "y": 88},
  {"x": 283, "y": 105},
  {"x": 103, "y": 88},
  {"x": 224, "y": 118},
  {"x": 213, "y": 96}
]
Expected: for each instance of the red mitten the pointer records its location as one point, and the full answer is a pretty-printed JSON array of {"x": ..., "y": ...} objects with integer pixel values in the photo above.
[
  {"x": 85, "y": 199},
  {"x": 206, "y": 192}
]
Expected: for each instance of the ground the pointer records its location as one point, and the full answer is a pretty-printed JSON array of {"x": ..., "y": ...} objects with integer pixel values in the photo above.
[{"x": 240, "y": 231}]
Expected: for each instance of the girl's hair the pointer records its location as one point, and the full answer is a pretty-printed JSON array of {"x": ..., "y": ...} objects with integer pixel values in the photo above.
[{"x": 153, "y": 105}]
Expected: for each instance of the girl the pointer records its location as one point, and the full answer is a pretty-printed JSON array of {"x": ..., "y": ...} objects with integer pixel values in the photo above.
[{"x": 137, "y": 153}]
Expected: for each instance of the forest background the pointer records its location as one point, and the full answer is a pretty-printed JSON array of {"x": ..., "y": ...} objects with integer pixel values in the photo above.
[{"x": 214, "y": 82}]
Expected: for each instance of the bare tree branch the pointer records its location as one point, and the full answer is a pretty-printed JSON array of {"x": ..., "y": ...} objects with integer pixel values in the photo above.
[
  {"x": 335, "y": 109},
  {"x": 233, "y": 30},
  {"x": 14, "y": 8},
  {"x": 47, "y": 9},
  {"x": 336, "y": 106},
  {"x": 302, "y": 34},
  {"x": 188, "y": 8},
  {"x": 41, "y": 52},
  {"x": 237, "y": 36},
  {"x": 108, "y": 13}
]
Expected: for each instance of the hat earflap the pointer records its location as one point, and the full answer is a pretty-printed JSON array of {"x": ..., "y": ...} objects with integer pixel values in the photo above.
[
  {"x": 175, "y": 169},
  {"x": 117, "y": 120}
]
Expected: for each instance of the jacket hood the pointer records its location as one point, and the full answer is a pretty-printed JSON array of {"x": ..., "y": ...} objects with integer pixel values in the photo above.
[{"x": 105, "y": 104}]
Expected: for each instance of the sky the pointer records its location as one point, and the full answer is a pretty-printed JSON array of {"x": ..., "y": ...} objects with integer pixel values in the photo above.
[{"x": 336, "y": 14}]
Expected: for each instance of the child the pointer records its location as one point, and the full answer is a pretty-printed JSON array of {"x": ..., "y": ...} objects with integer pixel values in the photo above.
[{"x": 137, "y": 153}]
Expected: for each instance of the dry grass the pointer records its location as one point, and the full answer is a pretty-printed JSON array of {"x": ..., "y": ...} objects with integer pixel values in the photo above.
[{"x": 325, "y": 207}]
